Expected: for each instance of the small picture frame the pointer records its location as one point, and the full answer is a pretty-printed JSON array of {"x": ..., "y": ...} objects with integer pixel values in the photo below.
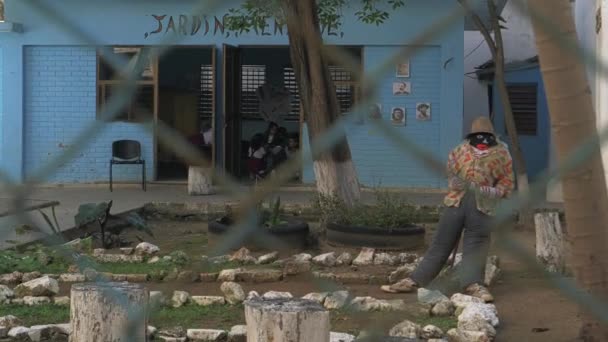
[
  {"x": 402, "y": 69},
  {"x": 423, "y": 111},
  {"x": 398, "y": 115},
  {"x": 375, "y": 111},
  {"x": 402, "y": 88}
]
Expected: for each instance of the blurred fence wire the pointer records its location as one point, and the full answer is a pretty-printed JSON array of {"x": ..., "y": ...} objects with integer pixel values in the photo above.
[{"x": 246, "y": 227}]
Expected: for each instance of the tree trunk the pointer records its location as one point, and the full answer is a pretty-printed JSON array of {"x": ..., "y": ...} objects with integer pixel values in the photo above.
[
  {"x": 573, "y": 122},
  {"x": 286, "y": 320},
  {"x": 335, "y": 172},
  {"x": 200, "y": 180},
  {"x": 108, "y": 312},
  {"x": 550, "y": 242}
]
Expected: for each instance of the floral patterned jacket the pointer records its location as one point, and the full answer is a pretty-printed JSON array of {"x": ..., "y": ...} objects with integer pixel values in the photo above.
[{"x": 492, "y": 168}]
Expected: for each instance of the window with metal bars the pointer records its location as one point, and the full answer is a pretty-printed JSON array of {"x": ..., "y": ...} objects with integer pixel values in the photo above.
[
  {"x": 523, "y": 98},
  {"x": 252, "y": 77},
  {"x": 205, "y": 101},
  {"x": 343, "y": 80}
]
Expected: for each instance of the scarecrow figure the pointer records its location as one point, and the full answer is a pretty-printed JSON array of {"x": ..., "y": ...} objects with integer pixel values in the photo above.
[{"x": 481, "y": 163}]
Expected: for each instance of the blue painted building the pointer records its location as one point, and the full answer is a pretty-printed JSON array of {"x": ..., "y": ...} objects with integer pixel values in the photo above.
[
  {"x": 530, "y": 111},
  {"x": 53, "y": 82}
]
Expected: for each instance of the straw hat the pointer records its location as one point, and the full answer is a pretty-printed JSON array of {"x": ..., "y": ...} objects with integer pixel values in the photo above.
[{"x": 482, "y": 124}]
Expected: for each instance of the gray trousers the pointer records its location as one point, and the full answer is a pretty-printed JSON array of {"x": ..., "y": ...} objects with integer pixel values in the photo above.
[{"x": 476, "y": 243}]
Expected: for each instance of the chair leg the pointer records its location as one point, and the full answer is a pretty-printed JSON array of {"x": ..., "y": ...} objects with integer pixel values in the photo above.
[
  {"x": 143, "y": 176},
  {"x": 111, "y": 177}
]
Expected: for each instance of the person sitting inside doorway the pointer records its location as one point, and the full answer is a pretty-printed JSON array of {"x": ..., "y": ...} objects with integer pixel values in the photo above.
[
  {"x": 274, "y": 145},
  {"x": 203, "y": 140},
  {"x": 291, "y": 151},
  {"x": 256, "y": 163}
]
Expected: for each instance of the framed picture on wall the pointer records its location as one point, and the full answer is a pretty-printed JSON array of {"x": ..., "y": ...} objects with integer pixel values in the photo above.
[
  {"x": 423, "y": 111},
  {"x": 398, "y": 116},
  {"x": 375, "y": 111},
  {"x": 402, "y": 88},
  {"x": 402, "y": 69}
]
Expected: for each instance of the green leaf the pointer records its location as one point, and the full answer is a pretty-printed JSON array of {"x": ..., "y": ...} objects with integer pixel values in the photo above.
[{"x": 91, "y": 212}]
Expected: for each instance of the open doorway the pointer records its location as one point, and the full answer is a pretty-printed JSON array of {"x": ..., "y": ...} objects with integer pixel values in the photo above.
[
  {"x": 246, "y": 72},
  {"x": 186, "y": 103}
]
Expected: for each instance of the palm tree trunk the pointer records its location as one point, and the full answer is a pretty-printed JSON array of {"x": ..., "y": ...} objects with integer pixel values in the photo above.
[
  {"x": 334, "y": 170},
  {"x": 572, "y": 122}
]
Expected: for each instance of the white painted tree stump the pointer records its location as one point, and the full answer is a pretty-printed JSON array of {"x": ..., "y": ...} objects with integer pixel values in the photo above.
[
  {"x": 550, "y": 241},
  {"x": 286, "y": 320},
  {"x": 108, "y": 312},
  {"x": 200, "y": 180}
]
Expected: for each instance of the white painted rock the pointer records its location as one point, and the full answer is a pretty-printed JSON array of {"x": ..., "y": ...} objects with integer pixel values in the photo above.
[
  {"x": 327, "y": 259},
  {"x": 405, "y": 329},
  {"x": 45, "y": 286},
  {"x": 146, "y": 248},
  {"x": 72, "y": 278},
  {"x": 385, "y": 259},
  {"x": 336, "y": 300},
  {"x": 157, "y": 298},
  {"x": 63, "y": 301},
  {"x": 252, "y": 295},
  {"x": 180, "y": 298},
  {"x": 206, "y": 335},
  {"x": 492, "y": 270},
  {"x": 458, "y": 335},
  {"x": 208, "y": 300},
  {"x": 477, "y": 311},
  {"x": 365, "y": 257},
  {"x": 5, "y": 294},
  {"x": 344, "y": 259},
  {"x": 444, "y": 308},
  {"x": 407, "y": 258},
  {"x": 461, "y": 300},
  {"x": 318, "y": 297},
  {"x": 431, "y": 331},
  {"x": 37, "y": 300},
  {"x": 229, "y": 274},
  {"x": 127, "y": 250},
  {"x": 340, "y": 337},
  {"x": 268, "y": 258},
  {"x": 233, "y": 292},
  {"x": 18, "y": 332},
  {"x": 430, "y": 297},
  {"x": 10, "y": 321},
  {"x": 302, "y": 257},
  {"x": 401, "y": 273},
  {"x": 365, "y": 304},
  {"x": 243, "y": 256},
  {"x": 478, "y": 324},
  {"x": 238, "y": 333},
  {"x": 276, "y": 295},
  {"x": 151, "y": 331},
  {"x": 154, "y": 260},
  {"x": 64, "y": 328}
]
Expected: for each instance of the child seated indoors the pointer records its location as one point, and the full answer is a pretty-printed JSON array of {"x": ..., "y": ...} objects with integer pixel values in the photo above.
[
  {"x": 257, "y": 157},
  {"x": 292, "y": 150}
]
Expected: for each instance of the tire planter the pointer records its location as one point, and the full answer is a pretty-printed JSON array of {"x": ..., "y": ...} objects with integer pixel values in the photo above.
[
  {"x": 406, "y": 238},
  {"x": 292, "y": 235}
]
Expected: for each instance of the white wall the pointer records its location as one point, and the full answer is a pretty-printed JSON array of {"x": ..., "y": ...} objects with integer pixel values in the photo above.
[{"x": 519, "y": 44}]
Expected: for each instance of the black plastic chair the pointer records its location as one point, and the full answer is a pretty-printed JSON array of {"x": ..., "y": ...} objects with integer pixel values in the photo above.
[{"x": 128, "y": 152}]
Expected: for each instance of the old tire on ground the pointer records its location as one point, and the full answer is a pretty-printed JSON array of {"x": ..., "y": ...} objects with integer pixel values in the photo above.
[
  {"x": 292, "y": 235},
  {"x": 406, "y": 238}
]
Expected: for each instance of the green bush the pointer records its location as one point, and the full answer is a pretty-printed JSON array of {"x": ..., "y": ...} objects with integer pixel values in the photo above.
[{"x": 388, "y": 211}]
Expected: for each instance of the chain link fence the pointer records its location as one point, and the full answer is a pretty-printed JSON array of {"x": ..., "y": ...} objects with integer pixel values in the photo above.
[{"x": 246, "y": 227}]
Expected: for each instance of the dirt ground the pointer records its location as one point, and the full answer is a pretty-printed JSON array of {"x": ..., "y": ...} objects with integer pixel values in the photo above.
[{"x": 526, "y": 302}]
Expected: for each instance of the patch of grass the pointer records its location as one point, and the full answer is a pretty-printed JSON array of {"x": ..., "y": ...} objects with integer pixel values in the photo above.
[
  {"x": 199, "y": 317},
  {"x": 444, "y": 323},
  {"x": 39, "y": 314},
  {"x": 11, "y": 261}
]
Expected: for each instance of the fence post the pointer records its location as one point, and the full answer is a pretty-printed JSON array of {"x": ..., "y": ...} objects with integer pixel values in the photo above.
[
  {"x": 108, "y": 312},
  {"x": 200, "y": 180},
  {"x": 286, "y": 320}
]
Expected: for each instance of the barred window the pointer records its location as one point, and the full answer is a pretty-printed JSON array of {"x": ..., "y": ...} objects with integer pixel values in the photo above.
[
  {"x": 205, "y": 103},
  {"x": 252, "y": 77},
  {"x": 523, "y": 98}
]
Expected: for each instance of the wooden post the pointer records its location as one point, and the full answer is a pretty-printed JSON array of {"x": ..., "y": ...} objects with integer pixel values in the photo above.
[
  {"x": 108, "y": 312},
  {"x": 550, "y": 241},
  {"x": 200, "y": 180},
  {"x": 286, "y": 320}
]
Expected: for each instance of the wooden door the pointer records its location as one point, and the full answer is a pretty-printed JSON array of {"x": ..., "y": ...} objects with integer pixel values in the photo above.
[{"x": 232, "y": 125}]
